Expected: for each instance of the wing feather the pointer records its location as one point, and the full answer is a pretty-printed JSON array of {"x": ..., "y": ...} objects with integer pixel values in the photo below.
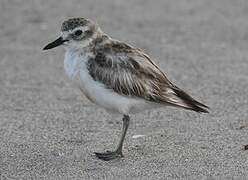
[{"x": 130, "y": 72}]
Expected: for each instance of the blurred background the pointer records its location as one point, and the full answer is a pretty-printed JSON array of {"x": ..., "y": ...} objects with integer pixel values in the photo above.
[{"x": 48, "y": 130}]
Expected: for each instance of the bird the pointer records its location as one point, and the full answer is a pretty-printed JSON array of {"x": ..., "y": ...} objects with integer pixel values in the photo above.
[{"x": 116, "y": 76}]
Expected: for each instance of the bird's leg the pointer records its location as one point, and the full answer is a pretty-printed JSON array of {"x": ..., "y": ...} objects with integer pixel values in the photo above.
[
  {"x": 125, "y": 125},
  {"x": 118, "y": 152}
]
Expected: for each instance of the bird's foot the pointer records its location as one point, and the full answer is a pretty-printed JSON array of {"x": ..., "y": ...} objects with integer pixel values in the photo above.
[{"x": 109, "y": 155}]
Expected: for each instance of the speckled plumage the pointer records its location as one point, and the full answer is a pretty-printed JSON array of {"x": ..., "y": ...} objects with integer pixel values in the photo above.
[
  {"x": 72, "y": 23},
  {"x": 116, "y": 76},
  {"x": 130, "y": 72},
  {"x": 121, "y": 68}
]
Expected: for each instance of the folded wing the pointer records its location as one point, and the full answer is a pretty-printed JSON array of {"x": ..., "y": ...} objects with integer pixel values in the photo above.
[{"x": 130, "y": 72}]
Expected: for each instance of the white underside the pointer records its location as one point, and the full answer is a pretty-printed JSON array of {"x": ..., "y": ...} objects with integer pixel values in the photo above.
[{"x": 75, "y": 67}]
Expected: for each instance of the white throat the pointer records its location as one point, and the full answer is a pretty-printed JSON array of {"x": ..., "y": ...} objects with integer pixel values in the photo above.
[{"x": 75, "y": 61}]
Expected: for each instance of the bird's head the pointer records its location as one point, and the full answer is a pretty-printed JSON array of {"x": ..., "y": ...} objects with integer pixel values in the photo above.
[{"x": 76, "y": 33}]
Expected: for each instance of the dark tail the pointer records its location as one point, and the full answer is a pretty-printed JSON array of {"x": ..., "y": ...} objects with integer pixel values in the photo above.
[{"x": 190, "y": 103}]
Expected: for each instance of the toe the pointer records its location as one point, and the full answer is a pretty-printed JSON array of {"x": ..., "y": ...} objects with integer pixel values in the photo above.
[{"x": 108, "y": 155}]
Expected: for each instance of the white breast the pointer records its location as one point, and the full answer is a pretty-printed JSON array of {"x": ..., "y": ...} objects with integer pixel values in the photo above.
[{"x": 76, "y": 68}]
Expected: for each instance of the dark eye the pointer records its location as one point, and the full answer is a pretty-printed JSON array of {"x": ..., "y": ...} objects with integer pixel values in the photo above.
[{"x": 78, "y": 32}]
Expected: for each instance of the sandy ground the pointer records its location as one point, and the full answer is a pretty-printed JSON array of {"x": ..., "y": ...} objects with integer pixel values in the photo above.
[{"x": 49, "y": 131}]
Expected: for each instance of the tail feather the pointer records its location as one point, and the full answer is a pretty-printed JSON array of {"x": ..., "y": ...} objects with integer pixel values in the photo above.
[{"x": 190, "y": 103}]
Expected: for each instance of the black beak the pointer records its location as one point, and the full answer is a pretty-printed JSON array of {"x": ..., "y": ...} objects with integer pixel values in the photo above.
[{"x": 55, "y": 43}]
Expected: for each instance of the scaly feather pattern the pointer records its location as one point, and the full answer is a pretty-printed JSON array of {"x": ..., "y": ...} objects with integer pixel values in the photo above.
[{"x": 130, "y": 72}]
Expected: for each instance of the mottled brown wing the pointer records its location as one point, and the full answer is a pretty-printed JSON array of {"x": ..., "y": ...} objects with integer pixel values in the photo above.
[{"x": 130, "y": 72}]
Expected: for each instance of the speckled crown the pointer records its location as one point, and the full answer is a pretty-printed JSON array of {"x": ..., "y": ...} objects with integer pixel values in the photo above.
[{"x": 73, "y": 23}]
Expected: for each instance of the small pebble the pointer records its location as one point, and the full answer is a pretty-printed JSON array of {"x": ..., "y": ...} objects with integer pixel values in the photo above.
[{"x": 137, "y": 136}]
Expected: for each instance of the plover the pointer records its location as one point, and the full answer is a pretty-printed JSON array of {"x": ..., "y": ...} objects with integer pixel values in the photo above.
[{"x": 116, "y": 76}]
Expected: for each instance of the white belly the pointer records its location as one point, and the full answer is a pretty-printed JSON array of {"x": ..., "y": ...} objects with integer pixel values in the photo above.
[{"x": 76, "y": 69}]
